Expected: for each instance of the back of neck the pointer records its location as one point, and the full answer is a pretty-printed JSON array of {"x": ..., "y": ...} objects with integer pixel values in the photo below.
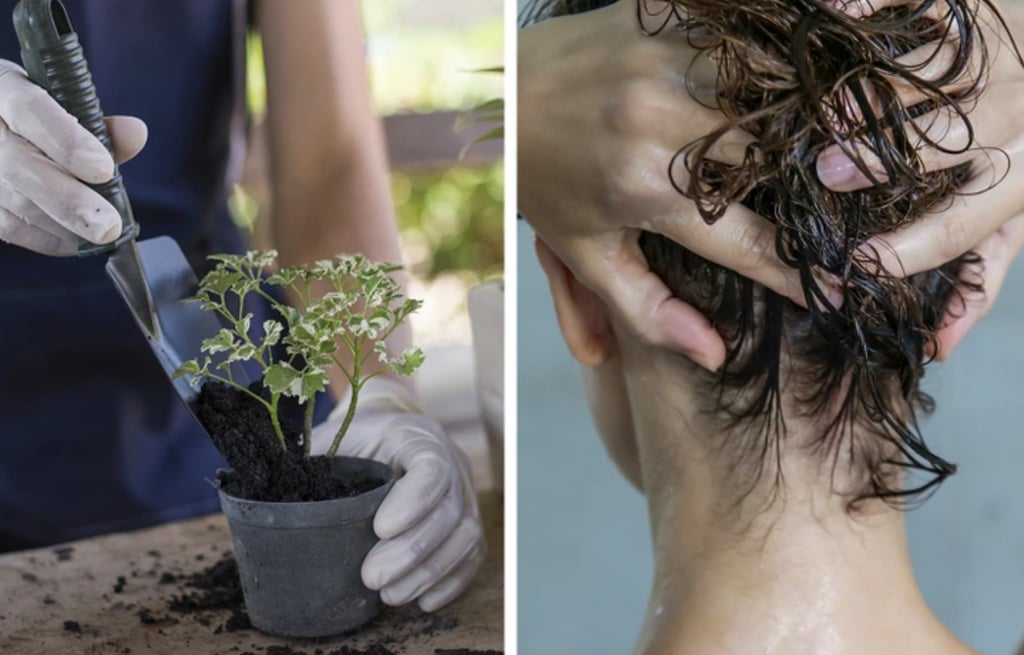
[{"x": 788, "y": 571}]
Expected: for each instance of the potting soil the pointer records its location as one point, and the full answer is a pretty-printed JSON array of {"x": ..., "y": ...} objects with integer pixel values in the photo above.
[
  {"x": 216, "y": 587},
  {"x": 260, "y": 469}
]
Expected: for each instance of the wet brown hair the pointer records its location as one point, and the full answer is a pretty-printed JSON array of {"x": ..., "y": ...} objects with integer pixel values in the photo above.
[{"x": 800, "y": 75}]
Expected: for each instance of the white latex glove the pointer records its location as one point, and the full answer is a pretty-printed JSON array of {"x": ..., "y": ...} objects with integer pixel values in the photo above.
[
  {"x": 431, "y": 537},
  {"x": 45, "y": 156}
]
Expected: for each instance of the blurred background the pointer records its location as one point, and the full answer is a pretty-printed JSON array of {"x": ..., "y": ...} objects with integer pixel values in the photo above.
[
  {"x": 585, "y": 560},
  {"x": 426, "y": 62},
  {"x": 428, "y": 67}
]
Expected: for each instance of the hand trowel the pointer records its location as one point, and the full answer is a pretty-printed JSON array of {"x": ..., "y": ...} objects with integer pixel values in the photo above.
[{"x": 153, "y": 276}]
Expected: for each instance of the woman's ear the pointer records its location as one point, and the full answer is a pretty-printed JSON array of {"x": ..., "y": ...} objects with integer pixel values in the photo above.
[{"x": 582, "y": 315}]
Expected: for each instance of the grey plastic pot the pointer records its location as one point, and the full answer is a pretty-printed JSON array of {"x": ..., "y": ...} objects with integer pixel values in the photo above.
[{"x": 300, "y": 563}]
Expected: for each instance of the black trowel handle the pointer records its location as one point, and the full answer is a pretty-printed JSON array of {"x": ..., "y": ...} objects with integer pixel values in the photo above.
[{"x": 54, "y": 60}]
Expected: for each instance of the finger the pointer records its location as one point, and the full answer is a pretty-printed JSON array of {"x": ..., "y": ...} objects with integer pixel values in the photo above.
[
  {"x": 701, "y": 73},
  {"x": 67, "y": 200},
  {"x": 428, "y": 478},
  {"x": 932, "y": 62},
  {"x": 466, "y": 542},
  {"x": 29, "y": 213},
  {"x": 449, "y": 588},
  {"x": 744, "y": 242},
  {"x": 129, "y": 135},
  {"x": 999, "y": 252},
  {"x": 29, "y": 111},
  {"x": 864, "y": 8},
  {"x": 940, "y": 137},
  {"x": 942, "y": 236},
  {"x": 647, "y": 307},
  {"x": 731, "y": 147},
  {"x": 393, "y": 558},
  {"x": 17, "y": 232},
  {"x": 647, "y": 110}
]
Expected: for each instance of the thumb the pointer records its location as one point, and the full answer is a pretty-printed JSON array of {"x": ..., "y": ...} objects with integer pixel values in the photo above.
[
  {"x": 864, "y": 8},
  {"x": 428, "y": 472},
  {"x": 129, "y": 135},
  {"x": 642, "y": 301}
]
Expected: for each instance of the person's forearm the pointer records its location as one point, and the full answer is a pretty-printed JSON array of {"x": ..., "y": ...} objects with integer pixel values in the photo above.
[{"x": 328, "y": 159}]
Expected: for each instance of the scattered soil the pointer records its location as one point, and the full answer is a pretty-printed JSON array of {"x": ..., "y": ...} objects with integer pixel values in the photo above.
[
  {"x": 146, "y": 617},
  {"x": 237, "y": 621},
  {"x": 64, "y": 554},
  {"x": 374, "y": 648},
  {"x": 217, "y": 587},
  {"x": 72, "y": 626},
  {"x": 241, "y": 429}
]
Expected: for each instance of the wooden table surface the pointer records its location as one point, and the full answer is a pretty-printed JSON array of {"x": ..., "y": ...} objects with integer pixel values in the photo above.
[{"x": 40, "y": 590}]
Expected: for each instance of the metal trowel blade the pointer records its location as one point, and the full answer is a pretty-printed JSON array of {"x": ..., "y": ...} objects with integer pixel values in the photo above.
[{"x": 155, "y": 272}]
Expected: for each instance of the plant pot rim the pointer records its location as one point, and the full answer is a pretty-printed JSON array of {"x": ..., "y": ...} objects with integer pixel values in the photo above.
[{"x": 311, "y": 513}]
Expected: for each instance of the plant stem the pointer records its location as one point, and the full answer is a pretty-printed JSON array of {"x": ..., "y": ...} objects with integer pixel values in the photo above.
[
  {"x": 344, "y": 371},
  {"x": 349, "y": 415},
  {"x": 307, "y": 427},
  {"x": 277, "y": 305},
  {"x": 271, "y": 407},
  {"x": 276, "y": 421},
  {"x": 232, "y": 383}
]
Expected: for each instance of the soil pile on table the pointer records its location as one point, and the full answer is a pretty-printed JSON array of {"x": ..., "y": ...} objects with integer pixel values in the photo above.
[
  {"x": 214, "y": 597},
  {"x": 216, "y": 587},
  {"x": 260, "y": 468}
]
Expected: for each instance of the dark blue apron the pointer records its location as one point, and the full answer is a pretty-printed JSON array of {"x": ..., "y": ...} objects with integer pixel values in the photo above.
[{"x": 92, "y": 437}]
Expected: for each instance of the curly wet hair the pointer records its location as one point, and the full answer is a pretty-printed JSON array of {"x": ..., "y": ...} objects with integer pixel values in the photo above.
[{"x": 800, "y": 75}]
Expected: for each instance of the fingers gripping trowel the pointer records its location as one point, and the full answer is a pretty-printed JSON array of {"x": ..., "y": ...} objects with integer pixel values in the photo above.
[{"x": 153, "y": 276}]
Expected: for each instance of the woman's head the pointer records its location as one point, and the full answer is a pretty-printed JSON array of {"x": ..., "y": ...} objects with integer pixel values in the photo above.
[{"x": 800, "y": 75}]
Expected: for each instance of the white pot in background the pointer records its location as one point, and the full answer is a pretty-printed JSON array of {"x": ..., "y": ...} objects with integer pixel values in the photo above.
[{"x": 487, "y": 316}]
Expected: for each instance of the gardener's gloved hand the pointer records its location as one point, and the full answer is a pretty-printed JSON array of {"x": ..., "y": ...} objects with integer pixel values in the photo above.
[
  {"x": 45, "y": 156},
  {"x": 429, "y": 524}
]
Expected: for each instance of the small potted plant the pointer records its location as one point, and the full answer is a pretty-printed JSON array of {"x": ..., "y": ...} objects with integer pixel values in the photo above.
[{"x": 301, "y": 525}]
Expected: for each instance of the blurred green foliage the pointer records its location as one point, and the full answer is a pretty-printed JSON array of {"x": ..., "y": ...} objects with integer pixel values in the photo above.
[
  {"x": 451, "y": 221},
  {"x": 429, "y": 58},
  {"x": 255, "y": 76}
]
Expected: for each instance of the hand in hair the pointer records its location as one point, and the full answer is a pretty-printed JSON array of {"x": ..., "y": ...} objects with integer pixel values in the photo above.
[
  {"x": 602, "y": 110},
  {"x": 988, "y": 219}
]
